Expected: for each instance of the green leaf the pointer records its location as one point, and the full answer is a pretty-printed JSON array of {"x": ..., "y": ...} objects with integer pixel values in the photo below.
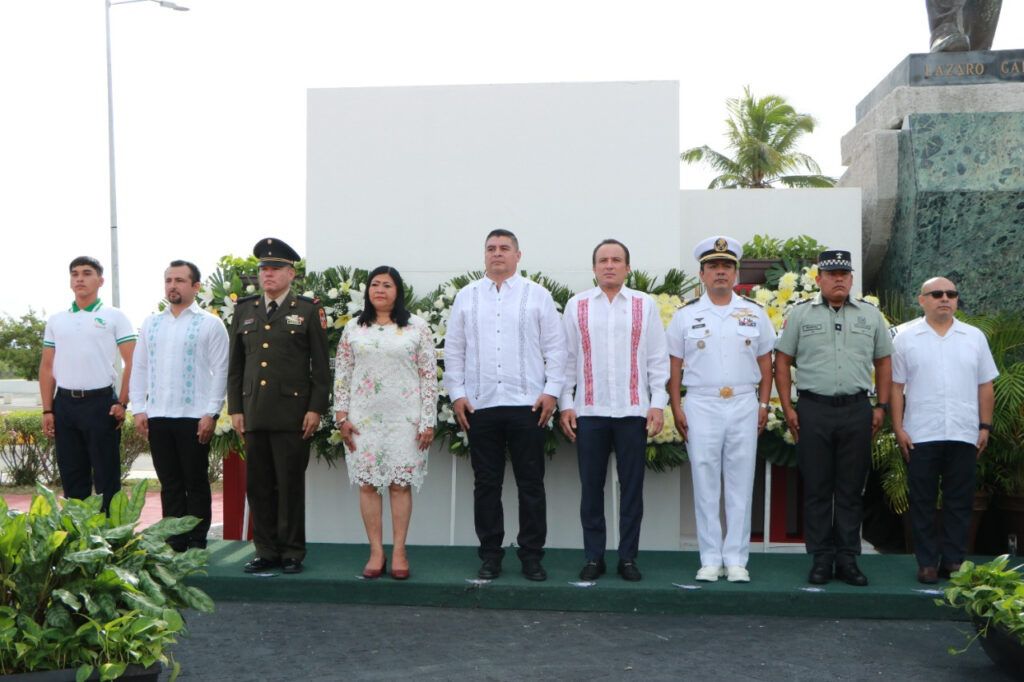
[
  {"x": 166, "y": 527},
  {"x": 83, "y": 672},
  {"x": 88, "y": 556},
  {"x": 112, "y": 671},
  {"x": 138, "y": 501},
  {"x": 68, "y": 598},
  {"x": 118, "y": 506}
]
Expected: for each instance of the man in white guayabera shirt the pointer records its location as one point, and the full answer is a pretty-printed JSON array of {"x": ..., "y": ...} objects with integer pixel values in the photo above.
[
  {"x": 942, "y": 371},
  {"x": 618, "y": 364},
  {"x": 177, "y": 390},
  {"x": 504, "y": 355}
]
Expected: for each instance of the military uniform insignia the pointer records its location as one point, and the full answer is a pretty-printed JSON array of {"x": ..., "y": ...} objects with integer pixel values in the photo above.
[
  {"x": 701, "y": 344},
  {"x": 248, "y": 321},
  {"x": 294, "y": 319},
  {"x": 323, "y": 318},
  {"x": 721, "y": 245}
]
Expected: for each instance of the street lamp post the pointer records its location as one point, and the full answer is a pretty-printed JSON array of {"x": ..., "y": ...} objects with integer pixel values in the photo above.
[{"x": 114, "y": 263}]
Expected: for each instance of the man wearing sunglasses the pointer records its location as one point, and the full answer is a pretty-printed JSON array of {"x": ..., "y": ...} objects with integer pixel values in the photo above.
[
  {"x": 835, "y": 341},
  {"x": 942, "y": 373}
]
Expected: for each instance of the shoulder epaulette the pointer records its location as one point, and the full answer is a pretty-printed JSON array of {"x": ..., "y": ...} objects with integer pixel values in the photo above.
[
  {"x": 806, "y": 300},
  {"x": 753, "y": 300},
  {"x": 864, "y": 300},
  {"x": 692, "y": 300},
  {"x": 307, "y": 299},
  {"x": 246, "y": 299}
]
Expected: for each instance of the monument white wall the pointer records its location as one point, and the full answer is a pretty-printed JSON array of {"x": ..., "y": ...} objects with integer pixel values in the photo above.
[{"x": 415, "y": 177}]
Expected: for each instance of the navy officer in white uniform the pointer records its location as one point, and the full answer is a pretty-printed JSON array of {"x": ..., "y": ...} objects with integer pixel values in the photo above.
[{"x": 720, "y": 346}]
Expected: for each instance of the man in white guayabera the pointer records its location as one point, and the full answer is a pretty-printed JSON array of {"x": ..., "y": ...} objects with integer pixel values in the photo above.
[{"x": 504, "y": 355}]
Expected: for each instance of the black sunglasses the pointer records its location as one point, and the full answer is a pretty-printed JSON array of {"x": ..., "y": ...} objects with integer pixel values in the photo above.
[{"x": 938, "y": 293}]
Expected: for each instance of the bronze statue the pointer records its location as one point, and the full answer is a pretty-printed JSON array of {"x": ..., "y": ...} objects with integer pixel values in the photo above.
[{"x": 961, "y": 25}]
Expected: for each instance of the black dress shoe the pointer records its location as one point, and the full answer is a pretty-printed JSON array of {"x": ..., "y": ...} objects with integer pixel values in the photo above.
[
  {"x": 489, "y": 569},
  {"x": 592, "y": 570},
  {"x": 947, "y": 570},
  {"x": 820, "y": 573},
  {"x": 291, "y": 566},
  {"x": 197, "y": 544},
  {"x": 259, "y": 565},
  {"x": 851, "y": 575},
  {"x": 629, "y": 571},
  {"x": 533, "y": 570}
]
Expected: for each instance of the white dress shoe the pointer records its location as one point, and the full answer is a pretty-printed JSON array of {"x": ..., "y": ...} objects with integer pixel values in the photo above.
[
  {"x": 737, "y": 574},
  {"x": 709, "y": 574}
]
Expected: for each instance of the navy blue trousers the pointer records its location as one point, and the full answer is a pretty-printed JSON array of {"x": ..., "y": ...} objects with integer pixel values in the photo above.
[
  {"x": 88, "y": 444},
  {"x": 954, "y": 462},
  {"x": 596, "y": 437}
]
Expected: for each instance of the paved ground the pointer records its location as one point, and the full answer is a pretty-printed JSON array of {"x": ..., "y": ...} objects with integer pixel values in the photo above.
[{"x": 250, "y": 641}]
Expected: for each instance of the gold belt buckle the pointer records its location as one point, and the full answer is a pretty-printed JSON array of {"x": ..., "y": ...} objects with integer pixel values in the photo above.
[{"x": 725, "y": 392}]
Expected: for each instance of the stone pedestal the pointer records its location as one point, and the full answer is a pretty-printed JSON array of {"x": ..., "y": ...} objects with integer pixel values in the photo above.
[{"x": 940, "y": 161}]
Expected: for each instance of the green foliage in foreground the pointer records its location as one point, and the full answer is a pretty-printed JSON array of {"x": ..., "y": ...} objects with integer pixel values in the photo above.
[
  {"x": 991, "y": 594},
  {"x": 81, "y": 589}
]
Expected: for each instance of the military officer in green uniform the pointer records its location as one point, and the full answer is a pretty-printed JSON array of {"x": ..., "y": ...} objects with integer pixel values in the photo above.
[
  {"x": 278, "y": 386},
  {"x": 835, "y": 342}
]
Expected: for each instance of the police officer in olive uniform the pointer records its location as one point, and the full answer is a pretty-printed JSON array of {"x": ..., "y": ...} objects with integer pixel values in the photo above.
[
  {"x": 278, "y": 386},
  {"x": 834, "y": 341}
]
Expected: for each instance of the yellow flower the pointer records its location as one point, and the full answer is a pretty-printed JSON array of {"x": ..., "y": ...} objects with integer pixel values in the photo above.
[
  {"x": 873, "y": 300},
  {"x": 234, "y": 296},
  {"x": 762, "y": 295}
]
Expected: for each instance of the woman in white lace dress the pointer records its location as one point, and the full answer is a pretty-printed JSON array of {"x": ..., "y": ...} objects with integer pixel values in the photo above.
[{"x": 385, "y": 399}]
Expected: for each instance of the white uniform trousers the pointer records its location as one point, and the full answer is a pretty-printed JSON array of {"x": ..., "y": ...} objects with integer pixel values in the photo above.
[{"x": 722, "y": 444}]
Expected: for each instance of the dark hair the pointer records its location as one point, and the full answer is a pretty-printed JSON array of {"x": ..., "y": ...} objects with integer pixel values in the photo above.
[
  {"x": 503, "y": 233},
  {"x": 86, "y": 260},
  {"x": 399, "y": 314},
  {"x": 192, "y": 269},
  {"x": 722, "y": 260},
  {"x": 605, "y": 242}
]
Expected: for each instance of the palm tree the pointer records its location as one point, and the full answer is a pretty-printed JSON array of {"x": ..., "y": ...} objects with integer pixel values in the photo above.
[{"x": 763, "y": 135}]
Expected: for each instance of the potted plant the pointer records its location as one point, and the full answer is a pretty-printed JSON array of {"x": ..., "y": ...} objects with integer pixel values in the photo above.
[
  {"x": 992, "y": 595},
  {"x": 759, "y": 255},
  {"x": 766, "y": 258},
  {"x": 84, "y": 594}
]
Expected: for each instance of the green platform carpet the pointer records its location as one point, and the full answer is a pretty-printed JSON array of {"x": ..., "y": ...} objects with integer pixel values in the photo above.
[{"x": 441, "y": 576}]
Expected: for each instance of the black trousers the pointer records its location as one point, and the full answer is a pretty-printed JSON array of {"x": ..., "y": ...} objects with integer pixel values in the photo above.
[
  {"x": 954, "y": 462},
  {"x": 182, "y": 465},
  {"x": 275, "y": 466},
  {"x": 834, "y": 455},
  {"x": 88, "y": 443},
  {"x": 595, "y": 439},
  {"x": 492, "y": 432}
]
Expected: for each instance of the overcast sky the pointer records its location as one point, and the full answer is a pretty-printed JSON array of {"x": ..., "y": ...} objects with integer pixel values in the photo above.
[{"x": 210, "y": 104}]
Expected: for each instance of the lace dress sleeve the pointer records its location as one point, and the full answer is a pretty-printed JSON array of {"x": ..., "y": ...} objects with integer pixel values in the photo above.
[
  {"x": 426, "y": 367},
  {"x": 344, "y": 363}
]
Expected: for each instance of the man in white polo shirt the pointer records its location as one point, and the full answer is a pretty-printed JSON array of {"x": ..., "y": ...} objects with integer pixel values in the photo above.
[
  {"x": 942, "y": 373},
  {"x": 81, "y": 409},
  {"x": 618, "y": 364},
  {"x": 177, "y": 389}
]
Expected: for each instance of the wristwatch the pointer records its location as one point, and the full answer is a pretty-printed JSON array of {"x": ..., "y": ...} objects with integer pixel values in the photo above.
[
  {"x": 882, "y": 406},
  {"x": 763, "y": 406},
  {"x": 983, "y": 425},
  {"x": 342, "y": 420}
]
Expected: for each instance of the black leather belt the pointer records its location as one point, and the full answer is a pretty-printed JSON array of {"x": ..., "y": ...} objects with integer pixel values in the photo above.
[
  {"x": 75, "y": 393},
  {"x": 834, "y": 400}
]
